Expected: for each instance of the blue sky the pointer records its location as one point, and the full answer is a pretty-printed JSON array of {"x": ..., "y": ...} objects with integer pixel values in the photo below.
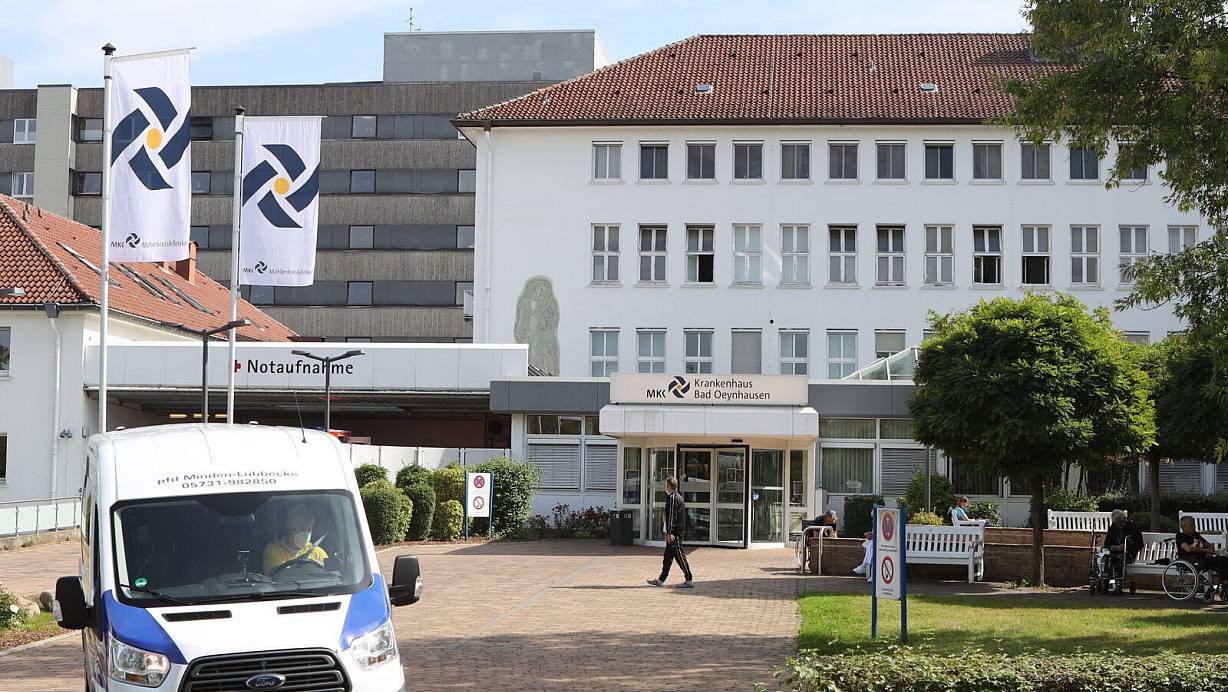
[{"x": 305, "y": 41}]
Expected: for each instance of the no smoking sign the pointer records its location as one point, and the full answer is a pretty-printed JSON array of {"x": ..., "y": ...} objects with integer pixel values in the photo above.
[
  {"x": 887, "y": 570},
  {"x": 477, "y": 494}
]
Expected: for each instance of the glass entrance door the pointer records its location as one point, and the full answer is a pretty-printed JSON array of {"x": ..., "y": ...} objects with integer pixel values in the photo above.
[
  {"x": 730, "y": 507},
  {"x": 767, "y": 497},
  {"x": 662, "y": 461},
  {"x": 695, "y": 466}
]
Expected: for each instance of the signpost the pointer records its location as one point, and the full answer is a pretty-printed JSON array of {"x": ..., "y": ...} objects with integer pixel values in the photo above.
[
  {"x": 890, "y": 567},
  {"x": 479, "y": 489}
]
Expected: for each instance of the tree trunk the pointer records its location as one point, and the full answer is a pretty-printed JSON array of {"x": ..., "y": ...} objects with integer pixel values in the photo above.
[
  {"x": 1039, "y": 522},
  {"x": 1153, "y": 489}
]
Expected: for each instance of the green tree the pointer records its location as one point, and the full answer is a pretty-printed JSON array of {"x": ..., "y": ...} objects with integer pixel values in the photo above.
[{"x": 1019, "y": 387}]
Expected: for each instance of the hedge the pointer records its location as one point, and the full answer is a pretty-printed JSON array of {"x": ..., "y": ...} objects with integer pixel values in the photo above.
[
  {"x": 449, "y": 483},
  {"x": 388, "y": 511},
  {"x": 449, "y": 518},
  {"x": 1170, "y": 503},
  {"x": 515, "y": 485},
  {"x": 369, "y": 473},
  {"x": 413, "y": 475},
  {"x": 423, "y": 496},
  {"x": 901, "y": 668},
  {"x": 857, "y": 510}
]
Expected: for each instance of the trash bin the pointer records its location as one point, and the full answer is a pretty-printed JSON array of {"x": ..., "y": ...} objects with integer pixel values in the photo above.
[{"x": 621, "y": 531}]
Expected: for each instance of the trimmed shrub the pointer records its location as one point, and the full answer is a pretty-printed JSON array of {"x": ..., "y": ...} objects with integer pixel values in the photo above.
[
  {"x": 926, "y": 519},
  {"x": 449, "y": 483},
  {"x": 1170, "y": 504},
  {"x": 1168, "y": 524},
  {"x": 388, "y": 511},
  {"x": 1062, "y": 500},
  {"x": 984, "y": 509},
  {"x": 857, "y": 510},
  {"x": 901, "y": 668},
  {"x": 369, "y": 473},
  {"x": 515, "y": 485},
  {"x": 11, "y": 614},
  {"x": 941, "y": 495},
  {"x": 449, "y": 520},
  {"x": 413, "y": 475},
  {"x": 423, "y": 496}
]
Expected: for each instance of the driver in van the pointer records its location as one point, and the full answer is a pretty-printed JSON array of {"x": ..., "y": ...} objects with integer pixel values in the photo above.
[{"x": 294, "y": 541}]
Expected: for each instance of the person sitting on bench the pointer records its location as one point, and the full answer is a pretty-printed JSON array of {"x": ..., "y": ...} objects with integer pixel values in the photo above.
[{"x": 1123, "y": 541}]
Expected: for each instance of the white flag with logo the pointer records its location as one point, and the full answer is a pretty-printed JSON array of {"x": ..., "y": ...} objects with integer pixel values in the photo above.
[
  {"x": 281, "y": 201},
  {"x": 150, "y": 162}
]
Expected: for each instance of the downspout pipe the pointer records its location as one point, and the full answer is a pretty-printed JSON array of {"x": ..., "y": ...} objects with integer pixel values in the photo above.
[
  {"x": 488, "y": 240},
  {"x": 53, "y": 314}
]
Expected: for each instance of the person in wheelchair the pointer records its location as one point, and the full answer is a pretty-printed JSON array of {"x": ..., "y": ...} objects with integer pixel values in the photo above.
[
  {"x": 1122, "y": 543},
  {"x": 295, "y": 540},
  {"x": 1198, "y": 551}
]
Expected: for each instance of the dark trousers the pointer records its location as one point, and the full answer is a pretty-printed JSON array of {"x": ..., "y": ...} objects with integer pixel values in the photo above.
[{"x": 674, "y": 551}]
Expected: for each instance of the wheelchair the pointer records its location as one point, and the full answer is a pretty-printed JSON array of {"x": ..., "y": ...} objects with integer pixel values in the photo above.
[
  {"x": 1183, "y": 580},
  {"x": 1107, "y": 573}
]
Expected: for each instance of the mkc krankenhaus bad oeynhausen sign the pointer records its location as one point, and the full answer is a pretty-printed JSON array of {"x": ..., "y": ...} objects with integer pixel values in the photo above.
[{"x": 769, "y": 390}]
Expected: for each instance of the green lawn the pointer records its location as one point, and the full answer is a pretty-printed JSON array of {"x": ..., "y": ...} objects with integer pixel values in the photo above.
[
  {"x": 40, "y": 627},
  {"x": 1009, "y": 623}
]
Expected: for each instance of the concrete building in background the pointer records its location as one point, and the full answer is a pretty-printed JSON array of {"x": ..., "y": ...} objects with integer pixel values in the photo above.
[
  {"x": 395, "y": 259},
  {"x": 6, "y": 72}
]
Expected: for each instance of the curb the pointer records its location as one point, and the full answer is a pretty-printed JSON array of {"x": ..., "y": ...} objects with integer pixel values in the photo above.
[{"x": 37, "y": 644}]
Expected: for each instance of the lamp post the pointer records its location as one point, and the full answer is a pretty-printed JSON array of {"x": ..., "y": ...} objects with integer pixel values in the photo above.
[
  {"x": 204, "y": 335},
  {"x": 15, "y": 291},
  {"x": 328, "y": 361}
]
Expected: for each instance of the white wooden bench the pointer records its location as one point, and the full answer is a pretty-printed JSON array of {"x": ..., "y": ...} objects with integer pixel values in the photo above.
[
  {"x": 1157, "y": 546},
  {"x": 1080, "y": 521},
  {"x": 947, "y": 545},
  {"x": 1207, "y": 522}
]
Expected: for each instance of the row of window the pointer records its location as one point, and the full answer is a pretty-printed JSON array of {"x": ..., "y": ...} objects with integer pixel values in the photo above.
[
  {"x": 331, "y": 182},
  {"x": 18, "y": 184},
  {"x": 746, "y": 350},
  {"x": 382, "y": 237},
  {"x": 844, "y": 161},
  {"x": 6, "y": 342},
  {"x": 890, "y": 258},
  {"x": 222, "y": 127},
  {"x": 19, "y": 131},
  {"x": 360, "y": 293}
]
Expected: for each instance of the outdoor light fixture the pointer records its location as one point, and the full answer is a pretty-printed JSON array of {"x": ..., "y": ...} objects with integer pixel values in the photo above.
[
  {"x": 15, "y": 291},
  {"x": 204, "y": 335},
  {"x": 327, "y": 362}
]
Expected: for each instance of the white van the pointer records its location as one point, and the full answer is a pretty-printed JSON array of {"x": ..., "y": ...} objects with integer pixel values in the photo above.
[{"x": 218, "y": 558}]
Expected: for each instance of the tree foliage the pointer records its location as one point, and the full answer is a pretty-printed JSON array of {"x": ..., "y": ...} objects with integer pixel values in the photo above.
[{"x": 1020, "y": 387}]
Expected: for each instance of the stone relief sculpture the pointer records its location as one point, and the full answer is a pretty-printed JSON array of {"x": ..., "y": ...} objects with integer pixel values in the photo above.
[{"x": 537, "y": 324}]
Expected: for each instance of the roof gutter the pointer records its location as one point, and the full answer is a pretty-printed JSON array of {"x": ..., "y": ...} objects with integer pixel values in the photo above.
[
  {"x": 641, "y": 122},
  {"x": 93, "y": 307}
]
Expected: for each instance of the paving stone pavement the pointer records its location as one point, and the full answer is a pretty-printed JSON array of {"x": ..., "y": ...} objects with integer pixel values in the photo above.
[{"x": 562, "y": 615}]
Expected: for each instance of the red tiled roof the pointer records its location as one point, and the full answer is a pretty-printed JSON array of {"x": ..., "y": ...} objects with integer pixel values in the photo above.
[
  {"x": 787, "y": 78},
  {"x": 34, "y": 256}
]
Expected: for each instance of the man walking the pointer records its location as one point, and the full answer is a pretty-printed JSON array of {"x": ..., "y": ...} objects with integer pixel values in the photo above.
[{"x": 675, "y": 525}]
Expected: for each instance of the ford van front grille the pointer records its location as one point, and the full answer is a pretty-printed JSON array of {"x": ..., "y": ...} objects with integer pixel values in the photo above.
[{"x": 299, "y": 670}]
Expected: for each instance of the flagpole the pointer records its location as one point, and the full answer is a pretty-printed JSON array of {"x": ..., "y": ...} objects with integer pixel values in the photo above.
[
  {"x": 108, "y": 52},
  {"x": 236, "y": 217}
]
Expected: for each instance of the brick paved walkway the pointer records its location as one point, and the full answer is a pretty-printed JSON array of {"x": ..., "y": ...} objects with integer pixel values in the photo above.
[
  {"x": 28, "y": 571},
  {"x": 566, "y": 615}
]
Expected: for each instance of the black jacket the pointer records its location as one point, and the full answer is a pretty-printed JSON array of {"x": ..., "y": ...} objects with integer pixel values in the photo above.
[
  {"x": 675, "y": 516},
  {"x": 1117, "y": 536}
]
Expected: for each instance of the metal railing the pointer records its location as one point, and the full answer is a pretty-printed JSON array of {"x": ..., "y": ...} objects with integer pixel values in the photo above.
[{"x": 25, "y": 517}]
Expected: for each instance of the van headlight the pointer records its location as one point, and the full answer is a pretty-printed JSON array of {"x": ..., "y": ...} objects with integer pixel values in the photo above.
[
  {"x": 137, "y": 666},
  {"x": 375, "y": 647}
]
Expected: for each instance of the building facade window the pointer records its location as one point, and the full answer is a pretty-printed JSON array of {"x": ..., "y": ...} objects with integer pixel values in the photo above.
[
  {"x": 605, "y": 253},
  {"x": 888, "y": 342},
  {"x": 794, "y": 352},
  {"x": 463, "y": 288},
  {"x": 842, "y": 254},
  {"x": 987, "y": 255},
  {"x": 1084, "y": 164},
  {"x": 603, "y": 352},
  {"x": 363, "y": 127},
  {"x": 747, "y": 254},
  {"x": 842, "y": 160},
  {"x": 25, "y": 131},
  {"x": 986, "y": 160},
  {"x": 362, "y": 182},
  {"x": 262, "y": 295},
  {"x": 200, "y": 236},
  {"x": 465, "y": 236},
  {"x": 654, "y": 161},
  {"x": 889, "y": 259},
  {"x": 841, "y": 354},
  {"x": 6, "y": 343},
  {"x": 88, "y": 184},
  {"x": 748, "y": 161},
  {"x": 891, "y": 161},
  {"x": 467, "y": 180},
  {"x": 700, "y": 257},
  {"x": 4, "y": 459},
  {"x": 1035, "y": 255},
  {"x": 698, "y": 351},
  {"x": 746, "y": 352},
  {"x": 650, "y": 352},
  {"x": 1034, "y": 160},
  {"x": 362, "y": 237},
  {"x": 939, "y": 255},
  {"x": 1140, "y": 338},
  {"x": 1181, "y": 237},
  {"x": 89, "y": 130},
  {"x": 607, "y": 161},
  {"x": 200, "y": 182},
  {"x": 939, "y": 161},
  {"x": 1085, "y": 255},
  {"x": 1133, "y": 248},
  {"x": 652, "y": 254},
  {"x": 795, "y": 161},
  {"x": 700, "y": 161},
  {"x": 23, "y": 185},
  {"x": 795, "y": 254},
  {"x": 358, "y": 293}
]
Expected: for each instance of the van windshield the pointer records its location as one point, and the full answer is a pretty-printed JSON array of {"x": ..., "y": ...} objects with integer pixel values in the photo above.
[{"x": 235, "y": 547}]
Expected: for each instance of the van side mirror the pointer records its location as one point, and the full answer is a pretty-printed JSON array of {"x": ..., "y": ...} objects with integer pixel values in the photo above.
[
  {"x": 406, "y": 587},
  {"x": 69, "y": 607}
]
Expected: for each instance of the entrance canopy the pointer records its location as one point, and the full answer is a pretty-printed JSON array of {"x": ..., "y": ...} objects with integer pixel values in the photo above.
[{"x": 638, "y": 420}]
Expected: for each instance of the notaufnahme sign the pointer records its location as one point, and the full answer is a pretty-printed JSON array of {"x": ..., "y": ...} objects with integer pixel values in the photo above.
[{"x": 779, "y": 390}]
